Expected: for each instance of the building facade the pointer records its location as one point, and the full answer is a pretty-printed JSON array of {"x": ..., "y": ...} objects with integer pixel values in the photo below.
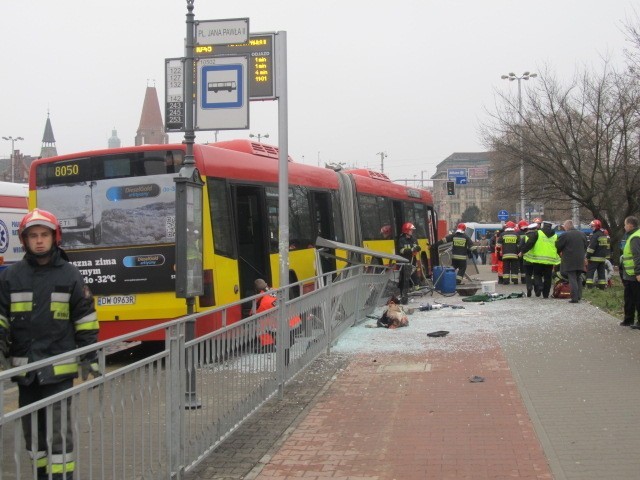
[{"x": 471, "y": 174}]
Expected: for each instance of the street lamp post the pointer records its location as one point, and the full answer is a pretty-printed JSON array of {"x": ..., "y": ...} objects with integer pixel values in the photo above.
[
  {"x": 13, "y": 140},
  {"x": 511, "y": 77},
  {"x": 259, "y": 136},
  {"x": 383, "y": 155}
]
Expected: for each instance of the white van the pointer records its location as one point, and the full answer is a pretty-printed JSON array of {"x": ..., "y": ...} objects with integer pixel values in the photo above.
[
  {"x": 476, "y": 230},
  {"x": 13, "y": 206}
]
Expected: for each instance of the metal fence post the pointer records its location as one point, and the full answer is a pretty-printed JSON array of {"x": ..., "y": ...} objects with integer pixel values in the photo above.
[
  {"x": 356, "y": 305},
  {"x": 174, "y": 399},
  {"x": 327, "y": 312}
]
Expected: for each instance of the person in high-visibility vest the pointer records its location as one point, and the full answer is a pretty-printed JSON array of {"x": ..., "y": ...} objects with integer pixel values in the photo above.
[
  {"x": 630, "y": 266},
  {"x": 268, "y": 326},
  {"x": 540, "y": 250}
]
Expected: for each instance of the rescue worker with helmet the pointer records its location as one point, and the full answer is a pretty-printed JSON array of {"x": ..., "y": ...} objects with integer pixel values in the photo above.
[
  {"x": 532, "y": 231},
  {"x": 522, "y": 228},
  {"x": 630, "y": 266},
  {"x": 540, "y": 250},
  {"x": 598, "y": 252},
  {"x": 462, "y": 246},
  {"x": 408, "y": 248},
  {"x": 46, "y": 310},
  {"x": 509, "y": 248}
]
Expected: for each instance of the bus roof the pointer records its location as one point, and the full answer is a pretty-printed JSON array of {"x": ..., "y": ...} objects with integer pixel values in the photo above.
[{"x": 376, "y": 183}]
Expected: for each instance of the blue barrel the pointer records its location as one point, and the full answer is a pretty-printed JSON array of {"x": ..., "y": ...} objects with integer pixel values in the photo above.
[
  {"x": 444, "y": 279},
  {"x": 449, "y": 282}
]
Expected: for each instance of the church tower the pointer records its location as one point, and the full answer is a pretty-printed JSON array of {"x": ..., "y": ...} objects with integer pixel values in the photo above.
[
  {"x": 48, "y": 141},
  {"x": 114, "y": 141},
  {"x": 151, "y": 128}
]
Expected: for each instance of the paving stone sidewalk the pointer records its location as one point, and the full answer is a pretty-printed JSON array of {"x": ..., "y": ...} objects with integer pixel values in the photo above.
[{"x": 560, "y": 386}]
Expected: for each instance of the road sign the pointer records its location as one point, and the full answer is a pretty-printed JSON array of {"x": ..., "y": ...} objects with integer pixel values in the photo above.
[
  {"x": 503, "y": 215},
  {"x": 261, "y": 78},
  {"x": 174, "y": 95},
  {"x": 222, "y": 32},
  {"x": 222, "y": 100},
  {"x": 461, "y": 180},
  {"x": 452, "y": 173}
]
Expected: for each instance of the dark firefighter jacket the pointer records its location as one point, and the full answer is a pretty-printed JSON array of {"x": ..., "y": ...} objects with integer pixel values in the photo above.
[
  {"x": 509, "y": 245},
  {"x": 599, "y": 248},
  {"x": 462, "y": 245},
  {"x": 45, "y": 310},
  {"x": 407, "y": 245}
]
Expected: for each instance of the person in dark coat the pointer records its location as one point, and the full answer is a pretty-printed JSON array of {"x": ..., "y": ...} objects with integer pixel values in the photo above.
[{"x": 572, "y": 247}]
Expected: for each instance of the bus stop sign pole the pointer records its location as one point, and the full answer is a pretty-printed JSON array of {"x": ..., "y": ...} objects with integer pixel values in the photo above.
[{"x": 189, "y": 218}]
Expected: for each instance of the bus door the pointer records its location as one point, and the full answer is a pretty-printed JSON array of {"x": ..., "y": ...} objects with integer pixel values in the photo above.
[
  {"x": 398, "y": 216},
  {"x": 321, "y": 208},
  {"x": 253, "y": 252}
]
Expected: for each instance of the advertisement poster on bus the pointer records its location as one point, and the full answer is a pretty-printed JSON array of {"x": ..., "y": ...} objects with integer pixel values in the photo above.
[{"x": 119, "y": 231}]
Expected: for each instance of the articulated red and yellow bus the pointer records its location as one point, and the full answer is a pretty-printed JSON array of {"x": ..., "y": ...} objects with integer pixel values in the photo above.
[{"x": 117, "y": 212}]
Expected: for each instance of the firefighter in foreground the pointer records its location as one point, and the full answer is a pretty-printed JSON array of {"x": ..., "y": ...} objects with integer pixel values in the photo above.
[
  {"x": 45, "y": 310},
  {"x": 598, "y": 252},
  {"x": 460, "y": 251}
]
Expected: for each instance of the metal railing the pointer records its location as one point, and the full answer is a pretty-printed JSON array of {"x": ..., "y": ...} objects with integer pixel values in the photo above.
[{"x": 158, "y": 417}]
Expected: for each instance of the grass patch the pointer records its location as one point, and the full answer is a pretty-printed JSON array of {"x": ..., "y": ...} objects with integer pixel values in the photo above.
[{"x": 610, "y": 300}]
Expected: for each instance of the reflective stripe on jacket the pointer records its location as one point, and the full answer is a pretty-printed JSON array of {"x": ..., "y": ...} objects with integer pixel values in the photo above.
[
  {"x": 46, "y": 310},
  {"x": 599, "y": 248}
]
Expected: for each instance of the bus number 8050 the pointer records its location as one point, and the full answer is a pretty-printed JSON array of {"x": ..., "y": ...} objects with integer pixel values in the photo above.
[{"x": 66, "y": 170}]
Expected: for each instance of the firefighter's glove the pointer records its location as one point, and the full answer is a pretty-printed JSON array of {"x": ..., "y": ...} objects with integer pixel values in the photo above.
[
  {"x": 4, "y": 362},
  {"x": 89, "y": 367},
  {"x": 416, "y": 249},
  {"x": 4, "y": 354}
]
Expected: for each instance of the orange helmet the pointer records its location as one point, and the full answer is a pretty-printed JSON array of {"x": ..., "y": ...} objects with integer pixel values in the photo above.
[
  {"x": 44, "y": 219},
  {"x": 462, "y": 227},
  {"x": 537, "y": 220},
  {"x": 408, "y": 227},
  {"x": 510, "y": 224},
  {"x": 596, "y": 224}
]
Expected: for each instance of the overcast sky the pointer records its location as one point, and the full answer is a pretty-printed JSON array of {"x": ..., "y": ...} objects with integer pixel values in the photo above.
[{"x": 411, "y": 78}]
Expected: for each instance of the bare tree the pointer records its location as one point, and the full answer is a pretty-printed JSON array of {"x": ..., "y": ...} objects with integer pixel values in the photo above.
[{"x": 579, "y": 143}]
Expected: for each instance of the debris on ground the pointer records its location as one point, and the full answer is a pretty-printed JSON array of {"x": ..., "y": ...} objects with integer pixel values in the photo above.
[
  {"x": 439, "y": 333},
  {"x": 492, "y": 297}
]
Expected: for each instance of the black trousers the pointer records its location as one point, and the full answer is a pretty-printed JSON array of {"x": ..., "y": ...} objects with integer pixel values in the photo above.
[
  {"x": 542, "y": 279},
  {"x": 61, "y": 434},
  {"x": 510, "y": 270},
  {"x": 461, "y": 268},
  {"x": 631, "y": 301},
  {"x": 592, "y": 268}
]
